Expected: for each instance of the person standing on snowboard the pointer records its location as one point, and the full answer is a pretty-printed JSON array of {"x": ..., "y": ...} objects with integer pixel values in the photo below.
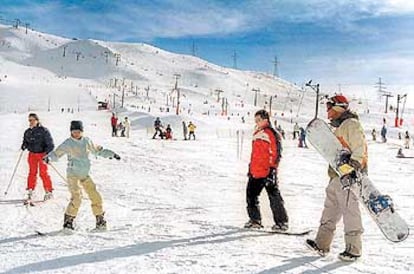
[
  {"x": 77, "y": 149},
  {"x": 38, "y": 141},
  {"x": 340, "y": 202},
  {"x": 265, "y": 157}
]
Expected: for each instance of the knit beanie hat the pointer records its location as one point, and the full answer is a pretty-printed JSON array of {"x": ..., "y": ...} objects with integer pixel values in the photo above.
[{"x": 76, "y": 125}]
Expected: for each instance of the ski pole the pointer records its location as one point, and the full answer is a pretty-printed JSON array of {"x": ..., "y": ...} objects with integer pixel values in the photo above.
[
  {"x": 58, "y": 173},
  {"x": 238, "y": 146},
  {"x": 14, "y": 172},
  {"x": 241, "y": 142}
]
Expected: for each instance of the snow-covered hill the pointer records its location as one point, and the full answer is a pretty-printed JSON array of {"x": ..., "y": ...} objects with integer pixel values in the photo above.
[{"x": 174, "y": 206}]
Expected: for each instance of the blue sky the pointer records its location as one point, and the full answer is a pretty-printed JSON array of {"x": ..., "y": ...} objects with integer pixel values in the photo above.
[{"x": 332, "y": 42}]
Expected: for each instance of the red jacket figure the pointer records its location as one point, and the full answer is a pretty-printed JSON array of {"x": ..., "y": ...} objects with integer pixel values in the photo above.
[
  {"x": 114, "y": 123},
  {"x": 264, "y": 152}
]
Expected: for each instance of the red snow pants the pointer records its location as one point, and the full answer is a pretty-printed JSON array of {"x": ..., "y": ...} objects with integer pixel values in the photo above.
[{"x": 36, "y": 163}]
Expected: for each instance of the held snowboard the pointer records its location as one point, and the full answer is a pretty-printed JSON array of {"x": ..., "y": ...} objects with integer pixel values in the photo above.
[{"x": 378, "y": 205}]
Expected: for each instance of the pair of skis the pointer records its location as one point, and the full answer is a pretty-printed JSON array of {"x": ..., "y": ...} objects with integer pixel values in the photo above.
[
  {"x": 24, "y": 202},
  {"x": 66, "y": 231}
]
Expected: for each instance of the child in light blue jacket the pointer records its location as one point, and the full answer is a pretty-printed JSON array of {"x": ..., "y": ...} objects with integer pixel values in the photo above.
[{"x": 77, "y": 148}]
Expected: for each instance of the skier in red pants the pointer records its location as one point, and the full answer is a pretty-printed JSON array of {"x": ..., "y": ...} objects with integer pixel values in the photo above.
[{"x": 38, "y": 141}]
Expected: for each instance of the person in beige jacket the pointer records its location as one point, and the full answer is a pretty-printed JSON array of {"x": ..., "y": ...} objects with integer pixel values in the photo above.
[{"x": 340, "y": 202}]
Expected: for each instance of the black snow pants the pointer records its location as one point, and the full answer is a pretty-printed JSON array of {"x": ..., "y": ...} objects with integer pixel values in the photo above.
[
  {"x": 114, "y": 131},
  {"x": 254, "y": 188},
  {"x": 158, "y": 130}
]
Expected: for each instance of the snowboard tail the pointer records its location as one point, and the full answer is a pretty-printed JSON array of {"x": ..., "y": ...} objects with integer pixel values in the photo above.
[{"x": 379, "y": 206}]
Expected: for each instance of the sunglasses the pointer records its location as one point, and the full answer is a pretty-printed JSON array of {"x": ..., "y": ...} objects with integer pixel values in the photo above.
[{"x": 32, "y": 119}]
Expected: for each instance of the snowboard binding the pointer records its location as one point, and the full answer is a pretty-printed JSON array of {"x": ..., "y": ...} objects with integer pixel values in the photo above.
[{"x": 378, "y": 204}]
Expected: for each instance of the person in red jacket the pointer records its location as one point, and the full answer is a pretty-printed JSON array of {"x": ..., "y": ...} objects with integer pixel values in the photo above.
[
  {"x": 114, "y": 124},
  {"x": 266, "y": 153}
]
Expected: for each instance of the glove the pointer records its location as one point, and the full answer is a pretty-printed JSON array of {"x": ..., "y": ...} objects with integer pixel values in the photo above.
[
  {"x": 355, "y": 164},
  {"x": 249, "y": 175},
  {"x": 271, "y": 179},
  {"x": 348, "y": 180},
  {"x": 116, "y": 156},
  {"x": 46, "y": 159},
  {"x": 23, "y": 147},
  {"x": 345, "y": 158}
]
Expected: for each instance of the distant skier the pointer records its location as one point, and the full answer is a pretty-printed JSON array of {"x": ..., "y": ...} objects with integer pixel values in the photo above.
[
  {"x": 296, "y": 131},
  {"x": 374, "y": 134},
  {"x": 191, "y": 130},
  {"x": 114, "y": 123},
  {"x": 281, "y": 131},
  {"x": 400, "y": 153},
  {"x": 339, "y": 202},
  {"x": 302, "y": 138},
  {"x": 157, "y": 127},
  {"x": 127, "y": 127},
  {"x": 168, "y": 132},
  {"x": 77, "y": 148},
  {"x": 120, "y": 128},
  {"x": 184, "y": 130},
  {"x": 407, "y": 140},
  {"x": 384, "y": 134},
  {"x": 38, "y": 141},
  {"x": 265, "y": 158}
]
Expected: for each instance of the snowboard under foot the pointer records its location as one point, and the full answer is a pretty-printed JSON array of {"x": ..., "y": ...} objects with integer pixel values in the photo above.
[{"x": 287, "y": 232}]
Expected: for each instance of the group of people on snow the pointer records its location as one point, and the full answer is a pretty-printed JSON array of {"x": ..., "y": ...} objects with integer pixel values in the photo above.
[
  {"x": 263, "y": 173},
  {"x": 120, "y": 128},
  {"x": 406, "y": 141},
  {"x": 300, "y": 134},
  {"x": 39, "y": 142},
  {"x": 167, "y": 132}
]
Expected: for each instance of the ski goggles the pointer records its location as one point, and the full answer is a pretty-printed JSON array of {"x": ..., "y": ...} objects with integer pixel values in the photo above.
[{"x": 331, "y": 102}]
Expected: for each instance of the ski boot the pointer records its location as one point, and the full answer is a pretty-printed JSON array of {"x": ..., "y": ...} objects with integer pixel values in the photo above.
[
  {"x": 348, "y": 257},
  {"x": 311, "y": 244},
  {"x": 48, "y": 196},
  {"x": 100, "y": 223},
  {"x": 280, "y": 227},
  {"x": 68, "y": 223},
  {"x": 253, "y": 224},
  {"x": 28, "y": 200}
]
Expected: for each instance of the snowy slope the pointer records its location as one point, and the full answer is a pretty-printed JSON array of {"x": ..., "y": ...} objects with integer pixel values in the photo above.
[{"x": 175, "y": 206}]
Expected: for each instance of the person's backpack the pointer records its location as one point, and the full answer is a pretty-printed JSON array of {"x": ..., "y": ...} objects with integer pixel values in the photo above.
[{"x": 278, "y": 138}]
